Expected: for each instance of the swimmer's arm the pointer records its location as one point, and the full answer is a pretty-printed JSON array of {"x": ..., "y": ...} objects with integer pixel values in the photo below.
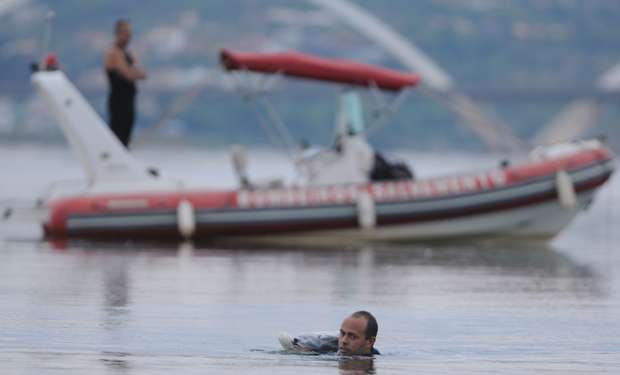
[{"x": 115, "y": 60}]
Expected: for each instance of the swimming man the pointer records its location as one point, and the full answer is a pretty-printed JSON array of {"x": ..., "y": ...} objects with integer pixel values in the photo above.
[{"x": 358, "y": 333}]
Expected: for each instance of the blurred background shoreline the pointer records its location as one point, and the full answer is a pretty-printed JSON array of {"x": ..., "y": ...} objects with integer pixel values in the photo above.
[{"x": 522, "y": 61}]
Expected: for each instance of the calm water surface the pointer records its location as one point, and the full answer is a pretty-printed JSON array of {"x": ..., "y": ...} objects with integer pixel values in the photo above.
[{"x": 136, "y": 308}]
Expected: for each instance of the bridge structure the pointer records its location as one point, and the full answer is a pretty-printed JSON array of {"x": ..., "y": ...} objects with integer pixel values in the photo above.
[{"x": 579, "y": 115}]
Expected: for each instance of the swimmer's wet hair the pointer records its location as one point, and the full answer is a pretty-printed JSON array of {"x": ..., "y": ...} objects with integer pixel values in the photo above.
[{"x": 371, "y": 323}]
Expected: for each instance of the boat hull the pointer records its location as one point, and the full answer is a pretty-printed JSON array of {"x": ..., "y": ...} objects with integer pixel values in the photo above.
[{"x": 524, "y": 200}]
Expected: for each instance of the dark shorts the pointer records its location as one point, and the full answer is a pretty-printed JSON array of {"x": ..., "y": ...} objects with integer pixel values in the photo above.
[{"x": 121, "y": 114}]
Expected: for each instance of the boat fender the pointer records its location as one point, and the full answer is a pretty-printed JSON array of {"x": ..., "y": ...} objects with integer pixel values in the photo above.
[
  {"x": 366, "y": 213},
  {"x": 566, "y": 190},
  {"x": 186, "y": 219}
]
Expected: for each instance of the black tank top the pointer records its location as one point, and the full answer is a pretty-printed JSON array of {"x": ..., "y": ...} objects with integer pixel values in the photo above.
[{"x": 120, "y": 87}]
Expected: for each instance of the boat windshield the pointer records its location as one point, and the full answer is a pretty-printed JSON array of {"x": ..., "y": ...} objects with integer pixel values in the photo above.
[{"x": 351, "y": 112}]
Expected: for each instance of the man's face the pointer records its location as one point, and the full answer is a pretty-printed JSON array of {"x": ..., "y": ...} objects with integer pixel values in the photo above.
[
  {"x": 352, "y": 339},
  {"x": 123, "y": 34}
]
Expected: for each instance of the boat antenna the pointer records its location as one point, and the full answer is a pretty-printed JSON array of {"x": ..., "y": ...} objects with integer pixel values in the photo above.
[{"x": 47, "y": 32}]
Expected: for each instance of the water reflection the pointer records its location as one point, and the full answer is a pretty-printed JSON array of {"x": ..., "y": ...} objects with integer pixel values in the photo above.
[
  {"x": 381, "y": 261},
  {"x": 356, "y": 366},
  {"x": 529, "y": 259},
  {"x": 346, "y": 273},
  {"x": 116, "y": 289},
  {"x": 116, "y": 363}
]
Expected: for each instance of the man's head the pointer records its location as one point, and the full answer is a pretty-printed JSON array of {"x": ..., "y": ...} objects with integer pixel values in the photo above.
[
  {"x": 357, "y": 334},
  {"x": 122, "y": 32}
]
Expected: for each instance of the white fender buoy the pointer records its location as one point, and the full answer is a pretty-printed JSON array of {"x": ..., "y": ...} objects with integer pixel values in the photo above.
[
  {"x": 186, "y": 220},
  {"x": 566, "y": 190},
  {"x": 366, "y": 214}
]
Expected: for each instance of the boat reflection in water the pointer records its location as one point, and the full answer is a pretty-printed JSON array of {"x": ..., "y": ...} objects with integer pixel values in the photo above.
[
  {"x": 379, "y": 261},
  {"x": 231, "y": 272}
]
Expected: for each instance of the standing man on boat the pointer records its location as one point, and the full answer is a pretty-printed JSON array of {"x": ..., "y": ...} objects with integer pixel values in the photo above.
[{"x": 123, "y": 69}]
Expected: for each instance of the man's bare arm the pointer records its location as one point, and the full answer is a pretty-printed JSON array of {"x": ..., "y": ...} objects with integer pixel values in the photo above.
[
  {"x": 138, "y": 66},
  {"x": 115, "y": 60}
]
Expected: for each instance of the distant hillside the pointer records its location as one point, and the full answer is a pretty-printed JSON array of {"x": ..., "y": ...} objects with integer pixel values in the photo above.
[{"x": 484, "y": 44}]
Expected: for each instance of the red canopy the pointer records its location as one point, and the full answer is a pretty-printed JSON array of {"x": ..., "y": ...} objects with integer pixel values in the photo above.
[{"x": 307, "y": 66}]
